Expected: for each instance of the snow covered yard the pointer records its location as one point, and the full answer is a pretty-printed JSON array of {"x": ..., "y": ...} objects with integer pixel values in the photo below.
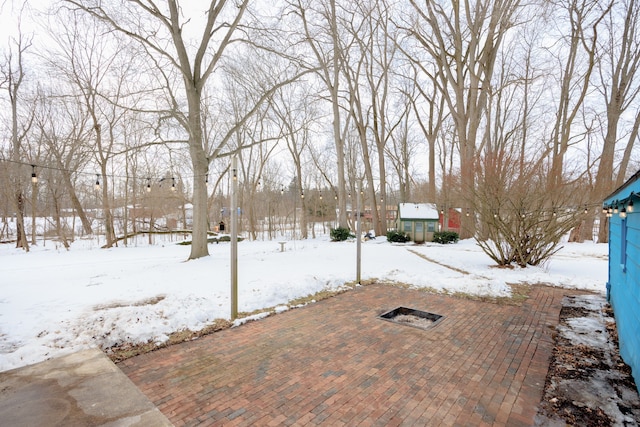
[{"x": 54, "y": 302}]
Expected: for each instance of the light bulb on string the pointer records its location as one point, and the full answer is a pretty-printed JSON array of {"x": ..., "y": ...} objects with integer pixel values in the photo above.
[
  {"x": 34, "y": 177},
  {"x": 282, "y": 190},
  {"x": 302, "y": 194},
  {"x": 615, "y": 209},
  {"x": 173, "y": 184},
  {"x": 335, "y": 196},
  {"x": 586, "y": 209},
  {"x": 321, "y": 195},
  {"x": 630, "y": 205},
  {"x": 467, "y": 213},
  {"x": 97, "y": 185},
  {"x": 623, "y": 213},
  {"x": 148, "y": 185}
]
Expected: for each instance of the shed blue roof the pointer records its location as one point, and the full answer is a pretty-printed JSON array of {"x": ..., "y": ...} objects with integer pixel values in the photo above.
[{"x": 623, "y": 193}]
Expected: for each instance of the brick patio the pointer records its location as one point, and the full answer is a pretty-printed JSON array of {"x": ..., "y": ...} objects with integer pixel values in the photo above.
[{"x": 335, "y": 363}]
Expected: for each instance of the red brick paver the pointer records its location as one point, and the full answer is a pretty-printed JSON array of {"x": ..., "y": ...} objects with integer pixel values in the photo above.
[{"x": 335, "y": 363}]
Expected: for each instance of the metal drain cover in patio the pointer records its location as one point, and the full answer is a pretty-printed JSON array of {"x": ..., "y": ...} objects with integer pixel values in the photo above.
[{"x": 412, "y": 317}]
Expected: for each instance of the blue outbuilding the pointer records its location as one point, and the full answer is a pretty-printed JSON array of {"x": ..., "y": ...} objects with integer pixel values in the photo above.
[{"x": 623, "y": 287}]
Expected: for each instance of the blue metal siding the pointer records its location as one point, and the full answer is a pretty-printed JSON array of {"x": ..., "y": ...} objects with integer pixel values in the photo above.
[
  {"x": 624, "y": 276},
  {"x": 626, "y": 298}
]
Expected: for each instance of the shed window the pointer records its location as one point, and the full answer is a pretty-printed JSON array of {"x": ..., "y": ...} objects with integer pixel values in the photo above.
[
  {"x": 431, "y": 227},
  {"x": 623, "y": 244},
  {"x": 407, "y": 227}
]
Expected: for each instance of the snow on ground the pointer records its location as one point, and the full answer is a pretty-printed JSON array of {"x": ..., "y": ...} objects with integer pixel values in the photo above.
[{"x": 54, "y": 302}]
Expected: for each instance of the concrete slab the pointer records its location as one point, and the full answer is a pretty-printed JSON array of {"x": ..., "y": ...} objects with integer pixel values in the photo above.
[{"x": 81, "y": 389}]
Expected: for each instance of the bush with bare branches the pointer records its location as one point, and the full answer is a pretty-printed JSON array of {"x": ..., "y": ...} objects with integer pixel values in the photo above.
[{"x": 522, "y": 216}]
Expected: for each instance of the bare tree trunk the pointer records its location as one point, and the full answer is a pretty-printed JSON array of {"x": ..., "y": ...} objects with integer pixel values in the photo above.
[
  {"x": 34, "y": 203},
  {"x": 575, "y": 81},
  {"x": 626, "y": 157},
  {"x": 624, "y": 64},
  {"x": 13, "y": 75},
  {"x": 75, "y": 202}
]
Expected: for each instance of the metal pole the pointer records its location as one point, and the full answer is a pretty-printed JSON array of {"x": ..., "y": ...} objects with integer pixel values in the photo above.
[
  {"x": 358, "y": 234},
  {"x": 234, "y": 238}
]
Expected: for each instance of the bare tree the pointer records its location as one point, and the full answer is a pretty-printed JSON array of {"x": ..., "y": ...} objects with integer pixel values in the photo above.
[
  {"x": 463, "y": 39},
  {"x": 12, "y": 74},
  {"x": 295, "y": 112},
  {"x": 620, "y": 87},
  {"x": 162, "y": 36},
  {"x": 375, "y": 104},
  {"x": 321, "y": 34},
  {"x": 430, "y": 113},
  {"x": 584, "y": 19},
  {"x": 64, "y": 130}
]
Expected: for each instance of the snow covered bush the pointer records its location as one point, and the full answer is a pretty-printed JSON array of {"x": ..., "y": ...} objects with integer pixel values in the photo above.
[
  {"x": 397, "y": 237},
  {"x": 340, "y": 234}
]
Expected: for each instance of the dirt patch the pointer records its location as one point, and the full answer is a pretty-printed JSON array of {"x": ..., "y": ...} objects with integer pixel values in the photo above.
[
  {"x": 588, "y": 384},
  {"x": 413, "y": 320},
  {"x": 124, "y": 351}
]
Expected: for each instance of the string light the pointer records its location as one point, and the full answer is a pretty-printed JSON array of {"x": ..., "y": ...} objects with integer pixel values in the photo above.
[
  {"x": 622, "y": 207},
  {"x": 302, "y": 194},
  {"x": 616, "y": 206}
]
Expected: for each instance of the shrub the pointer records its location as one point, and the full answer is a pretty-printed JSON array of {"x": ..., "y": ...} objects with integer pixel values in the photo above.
[
  {"x": 340, "y": 234},
  {"x": 444, "y": 237},
  {"x": 397, "y": 237}
]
